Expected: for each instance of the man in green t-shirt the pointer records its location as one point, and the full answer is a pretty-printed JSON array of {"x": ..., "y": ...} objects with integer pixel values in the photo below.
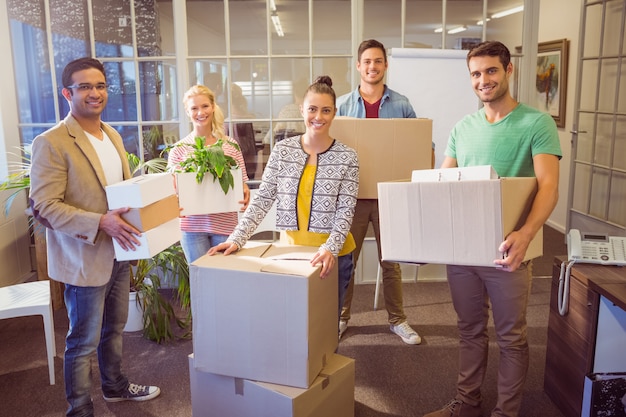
[{"x": 518, "y": 141}]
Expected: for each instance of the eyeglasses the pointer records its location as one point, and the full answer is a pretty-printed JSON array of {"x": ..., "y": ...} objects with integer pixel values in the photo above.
[{"x": 86, "y": 87}]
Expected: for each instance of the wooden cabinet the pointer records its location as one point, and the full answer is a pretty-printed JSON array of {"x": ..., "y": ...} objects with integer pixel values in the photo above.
[
  {"x": 569, "y": 350},
  {"x": 571, "y": 338}
]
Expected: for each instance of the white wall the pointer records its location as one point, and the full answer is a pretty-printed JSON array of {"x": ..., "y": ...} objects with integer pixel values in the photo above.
[{"x": 567, "y": 14}]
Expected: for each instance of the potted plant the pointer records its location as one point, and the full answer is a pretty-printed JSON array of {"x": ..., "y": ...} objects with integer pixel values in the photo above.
[
  {"x": 17, "y": 181},
  {"x": 145, "y": 277},
  {"x": 158, "y": 313},
  {"x": 197, "y": 196}
]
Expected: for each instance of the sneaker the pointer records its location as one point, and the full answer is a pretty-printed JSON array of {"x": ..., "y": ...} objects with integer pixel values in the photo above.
[
  {"x": 134, "y": 392},
  {"x": 343, "y": 326},
  {"x": 406, "y": 333},
  {"x": 456, "y": 408}
]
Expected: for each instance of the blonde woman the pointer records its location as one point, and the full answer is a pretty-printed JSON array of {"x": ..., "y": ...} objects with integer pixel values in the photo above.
[{"x": 201, "y": 232}]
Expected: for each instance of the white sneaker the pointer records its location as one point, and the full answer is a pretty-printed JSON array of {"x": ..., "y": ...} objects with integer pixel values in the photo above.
[
  {"x": 343, "y": 326},
  {"x": 406, "y": 333}
]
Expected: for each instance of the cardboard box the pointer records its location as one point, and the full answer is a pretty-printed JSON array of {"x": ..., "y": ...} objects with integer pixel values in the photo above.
[
  {"x": 207, "y": 197},
  {"x": 155, "y": 214},
  {"x": 140, "y": 191},
  {"x": 454, "y": 222},
  {"x": 152, "y": 242},
  {"x": 263, "y": 314},
  {"x": 330, "y": 394},
  {"x": 388, "y": 149}
]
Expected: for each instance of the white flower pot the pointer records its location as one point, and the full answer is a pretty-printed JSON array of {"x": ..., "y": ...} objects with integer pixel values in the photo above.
[
  {"x": 207, "y": 197},
  {"x": 134, "y": 323}
]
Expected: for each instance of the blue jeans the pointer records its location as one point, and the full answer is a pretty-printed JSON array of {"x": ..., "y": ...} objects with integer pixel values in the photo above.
[
  {"x": 345, "y": 267},
  {"x": 97, "y": 316},
  {"x": 197, "y": 244}
]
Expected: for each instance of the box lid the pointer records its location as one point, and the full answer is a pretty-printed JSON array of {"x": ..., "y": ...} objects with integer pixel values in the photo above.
[
  {"x": 139, "y": 191},
  {"x": 481, "y": 172},
  {"x": 263, "y": 257}
]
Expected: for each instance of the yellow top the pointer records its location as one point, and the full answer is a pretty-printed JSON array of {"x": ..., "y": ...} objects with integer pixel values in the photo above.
[{"x": 302, "y": 236}]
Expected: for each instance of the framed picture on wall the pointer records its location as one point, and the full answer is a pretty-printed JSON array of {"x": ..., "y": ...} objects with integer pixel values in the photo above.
[
  {"x": 550, "y": 91},
  {"x": 551, "y": 79}
]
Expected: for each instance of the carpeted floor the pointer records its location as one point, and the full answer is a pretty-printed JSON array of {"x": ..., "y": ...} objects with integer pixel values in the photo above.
[{"x": 392, "y": 379}]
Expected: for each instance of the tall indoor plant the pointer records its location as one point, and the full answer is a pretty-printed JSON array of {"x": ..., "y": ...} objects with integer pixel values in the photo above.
[
  {"x": 146, "y": 275},
  {"x": 158, "y": 311}
]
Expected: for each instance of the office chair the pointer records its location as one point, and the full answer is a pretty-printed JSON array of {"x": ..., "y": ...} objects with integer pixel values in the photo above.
[{"x": 243, "y": 133}]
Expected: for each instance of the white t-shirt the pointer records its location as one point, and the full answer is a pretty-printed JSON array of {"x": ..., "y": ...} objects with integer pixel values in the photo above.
[{"x": 109, "y": 158}]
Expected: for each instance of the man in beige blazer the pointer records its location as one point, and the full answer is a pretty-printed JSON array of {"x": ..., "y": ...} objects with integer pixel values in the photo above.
[{"x": 71, "y": 165}]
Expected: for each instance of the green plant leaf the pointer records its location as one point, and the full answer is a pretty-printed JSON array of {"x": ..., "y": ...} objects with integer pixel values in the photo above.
[
  {"x": 18, "y": 178},
  {"x": 210, "y": 159},
  {"x": 158, "y": 312}
]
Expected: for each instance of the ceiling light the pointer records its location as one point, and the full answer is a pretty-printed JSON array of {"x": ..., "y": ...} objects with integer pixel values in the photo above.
[
  {"x": 438, "y": 30},
  {"x": 272, "y": 5},
  {"x": 457, "y": 30},
  {"x": 277, "y": 25},
  {"x": 480, "y": 22},
  {"x": 508, "y": 12}
]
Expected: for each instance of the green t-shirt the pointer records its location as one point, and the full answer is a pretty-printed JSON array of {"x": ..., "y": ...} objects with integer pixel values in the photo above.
[{"x": 508, "y": 144}]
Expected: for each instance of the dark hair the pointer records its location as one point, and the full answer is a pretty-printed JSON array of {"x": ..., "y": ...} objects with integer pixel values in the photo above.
[
  {"x": 79, "y": 65},
  {"x": 371, "y": 43},
  {"x": 322, "y": 85},
  {"x": 491, "y": 48}
]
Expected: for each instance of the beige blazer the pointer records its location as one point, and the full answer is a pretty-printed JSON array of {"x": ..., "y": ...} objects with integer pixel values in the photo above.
[{"x": 67, "y": 195}]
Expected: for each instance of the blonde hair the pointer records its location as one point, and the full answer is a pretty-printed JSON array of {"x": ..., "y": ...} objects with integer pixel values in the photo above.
[{"x": 217, "y": 124}]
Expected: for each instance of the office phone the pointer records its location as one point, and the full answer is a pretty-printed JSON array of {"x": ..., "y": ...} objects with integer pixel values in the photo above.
[{"x": 595, "y": 248}]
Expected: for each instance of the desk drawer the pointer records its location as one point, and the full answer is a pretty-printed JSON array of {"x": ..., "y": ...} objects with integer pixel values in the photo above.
[{"x": 582, "y": 303}]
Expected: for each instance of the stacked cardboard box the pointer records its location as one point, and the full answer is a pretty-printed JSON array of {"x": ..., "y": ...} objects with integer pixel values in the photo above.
[
  {"x": 153, "y": 211},
  {"x": 454, "y": 216},
  {"x": 388, "y": 149},
  {"x": 264, "y": 336}
]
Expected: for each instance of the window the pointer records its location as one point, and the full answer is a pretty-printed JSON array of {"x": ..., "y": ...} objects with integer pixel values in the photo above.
[{"x": 258, "y": 56}]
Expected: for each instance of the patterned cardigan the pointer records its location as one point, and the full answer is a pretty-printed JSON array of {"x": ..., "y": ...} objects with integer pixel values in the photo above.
[{"x": 334, "y": 193}]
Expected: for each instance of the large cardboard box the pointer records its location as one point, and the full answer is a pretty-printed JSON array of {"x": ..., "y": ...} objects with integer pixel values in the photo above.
[
  {"x": 208, "y": 197},
  {"x": 152, "y": 242},
  {"x": 140, "y": 191},
  {"x": 153, "y": 215},
  {"x": 388, "y": 149},
  {"x": 263, "y": 314},
  {"x": 330, "y": 394},
  {"x": 460, "y": 222}
]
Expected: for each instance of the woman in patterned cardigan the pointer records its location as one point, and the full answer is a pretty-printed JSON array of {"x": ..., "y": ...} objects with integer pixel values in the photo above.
[{"x": 314, "y": 180}]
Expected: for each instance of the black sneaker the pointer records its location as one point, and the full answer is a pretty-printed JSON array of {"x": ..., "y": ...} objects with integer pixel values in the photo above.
[{"x": 134, "y": 392}]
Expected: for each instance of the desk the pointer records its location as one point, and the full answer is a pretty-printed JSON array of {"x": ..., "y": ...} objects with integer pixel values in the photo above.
[{"x": 597, "y": 295}]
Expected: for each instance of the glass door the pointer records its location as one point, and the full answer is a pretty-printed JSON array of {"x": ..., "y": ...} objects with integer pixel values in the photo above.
[{"x": 597, "y": 195}]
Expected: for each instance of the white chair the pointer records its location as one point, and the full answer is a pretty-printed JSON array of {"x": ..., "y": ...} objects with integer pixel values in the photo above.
[{"x": 30, "y": 299}]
